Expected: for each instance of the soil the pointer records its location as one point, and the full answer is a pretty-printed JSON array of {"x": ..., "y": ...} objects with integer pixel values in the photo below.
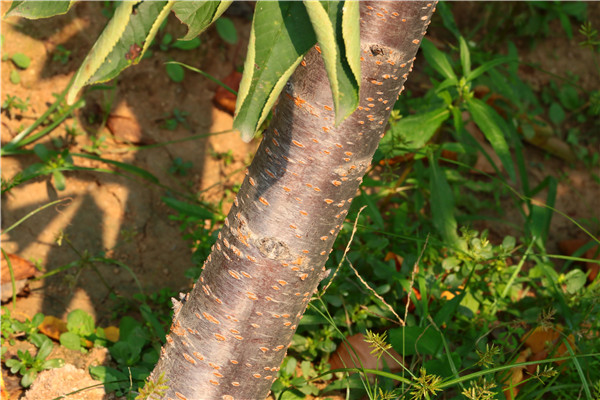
[{"x": 125, "y": 219}]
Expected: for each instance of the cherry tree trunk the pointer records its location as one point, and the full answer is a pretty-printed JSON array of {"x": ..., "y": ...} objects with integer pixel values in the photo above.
[{"x": 230, "y": 333}]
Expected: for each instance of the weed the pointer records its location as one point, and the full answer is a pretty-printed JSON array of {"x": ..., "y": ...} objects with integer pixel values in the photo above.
[
  {"x": 176, "y": 118},
  {"x": 225, "y": 156},
  {"x": 180, "y": 167},
  {"x": 61, "y": 54},
  {"x": 81, "y": 332},
  {"x": 14, "y": 102},
  {"x": 29, "y": 366}
]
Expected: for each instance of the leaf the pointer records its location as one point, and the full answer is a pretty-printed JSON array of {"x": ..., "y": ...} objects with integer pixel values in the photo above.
[
  {"x": 112, "y": 333},
  {"x": 575, "y": 280},
  {"x": 187, "y": 44},
  {"x": 15, "y": 78},
  {"x": 59, "y": 180},
  {"x": 80, "y": 322},
  {"x": 122, "y": 43},
  {"x": 53, "y": 363},
  {"x": 125, "y": 166},
  {"x": 556, "y": 113},
  {"x": 465, "y": 56},
  {"x": 38, "y": 9},
  {"x": 70, "y": 340},
  {"x": 198, "y": 15},
  {"x": 438, "y": 60},
  {"x": 330, "y": 20},
  {"x": 493, "y": 128},
  {"x": 442, "y": 204},
  {"x": 569, "y": 97},
  {"x": 175, "y": 72},
  {"x": 21, "y": 60},
  {"x": 413, "y": 132},
  {"x": 280, "y": 36},
  {"x": 483, "y": 68},
  {"x": 416, "y": 340},
  {"x": 226, "y": 29},
  {"x": 192, "y": 210},
  {"x": 53, "y": 327}
]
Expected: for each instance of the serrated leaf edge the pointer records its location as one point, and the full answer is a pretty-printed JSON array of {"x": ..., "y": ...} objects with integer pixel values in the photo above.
[{"x": 104, "y": 45}]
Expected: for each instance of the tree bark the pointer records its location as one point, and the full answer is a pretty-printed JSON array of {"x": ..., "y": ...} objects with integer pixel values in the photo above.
[{"x": 230, "y": 333}]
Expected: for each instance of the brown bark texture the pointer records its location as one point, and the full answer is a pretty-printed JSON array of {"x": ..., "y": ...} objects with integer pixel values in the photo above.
[{"x": 231, "y": 332}]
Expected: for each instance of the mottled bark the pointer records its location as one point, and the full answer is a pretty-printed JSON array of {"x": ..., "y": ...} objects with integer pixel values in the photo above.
[{"x": 230, "y": 335}]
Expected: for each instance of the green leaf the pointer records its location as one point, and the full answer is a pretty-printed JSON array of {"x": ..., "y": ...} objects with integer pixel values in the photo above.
[
  {"x": 187, "y": 44},
  {"x": 122, "y": 43},
  {"x": 442, "y": 204},
  {"x": 127, "y": 167},
  {"x": 29, "y": 378},
  {"x": 21, "y": 60},
  {"x": 226, "y": 29},
  {"x": 413, "y": 132},
  {"x": 198, "y": 15},
  {"x": 53, "y": 363},
  {"x": 493, "y": 128},
  {"x": 465, "y": 56},
  {"x": 38, "y": 9},
  {"x": 569, "y": 98},
  {"x": 280, "y": 36},
  {"x": 45, "y": 349},
  {"x": 15, "y": 78},
  {"x": 80, "y": 322},
  {"x": 483, "y": 68},
  {"x": 327, "y": 20},
  {"x": 175, "y": 72},
  {"x": 557, "y": 114},
  {"x": 70, "y": 340},
  {"x": 575, "y": 280},
  {"x": 438, "y": 60},
  {"x": 42, "y": 152},
  {"x": 59, "y": 180},
  {"x": 417, "y": 340},
  {"x": 189, "y": 209}
]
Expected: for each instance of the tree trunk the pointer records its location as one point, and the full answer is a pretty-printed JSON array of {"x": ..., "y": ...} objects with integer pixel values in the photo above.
[{"x": 230, "y": 334}]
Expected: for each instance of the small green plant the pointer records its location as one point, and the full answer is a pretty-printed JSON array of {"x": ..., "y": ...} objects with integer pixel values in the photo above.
[
  {"x": 225, "y": 156},
  {"x": 29, "y": 366},
  {"x": 180, "y": 167},
  {"x": 14, "y": 102},
  {"x": 153, "y": 390},
  {"x": 61, "y": 54},
  {"x": 81, "y": 332},
  {"x": 97, "y": 145},
  {"x": 135, "y": 353},
  {"x": 289, "y": 386},
  {"x": 176, "y": 118}
]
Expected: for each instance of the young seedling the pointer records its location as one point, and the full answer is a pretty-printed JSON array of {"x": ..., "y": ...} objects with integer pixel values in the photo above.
[{"x": 29, "y": 366}]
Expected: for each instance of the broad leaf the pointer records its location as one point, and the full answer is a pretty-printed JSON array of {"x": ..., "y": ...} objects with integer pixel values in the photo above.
[
  {"x": 336, "y": 24},
  {"x": 38, "y": 9},
  {"x": 492, "y": 126},
  {"x": 199, "y": 15},
  {"x": 413, "y": 132},
  {"x": 281, "y": 34},
  {"x": 438, "y": 60},
  {"x": 121, "y": 44}
]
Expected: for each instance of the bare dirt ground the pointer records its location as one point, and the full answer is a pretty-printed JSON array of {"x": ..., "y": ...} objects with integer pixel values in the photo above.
[{"x": 125, "y": 219}]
